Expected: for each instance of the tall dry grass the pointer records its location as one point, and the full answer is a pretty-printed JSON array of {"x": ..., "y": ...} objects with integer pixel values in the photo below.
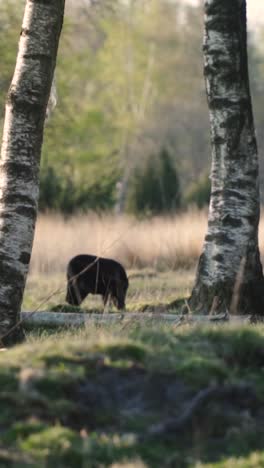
[{"x": 161, "y": 243}]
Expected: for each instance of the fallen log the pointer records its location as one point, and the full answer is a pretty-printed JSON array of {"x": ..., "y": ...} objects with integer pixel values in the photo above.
[{"x": 62, "y": 319}]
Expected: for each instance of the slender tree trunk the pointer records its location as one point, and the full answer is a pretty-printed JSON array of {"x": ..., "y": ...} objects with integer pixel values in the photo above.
[
  {"x": 229, "y": 275},
  {"x": 20, "y": 153}
]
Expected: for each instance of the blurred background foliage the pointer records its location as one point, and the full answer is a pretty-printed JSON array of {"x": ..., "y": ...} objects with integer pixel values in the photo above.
[
  {"x": 154, "y": 187},
  {"x": 130, "y": 131}
]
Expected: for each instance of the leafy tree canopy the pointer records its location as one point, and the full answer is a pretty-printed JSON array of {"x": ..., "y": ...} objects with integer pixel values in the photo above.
[{"x": 130, "y": 82}]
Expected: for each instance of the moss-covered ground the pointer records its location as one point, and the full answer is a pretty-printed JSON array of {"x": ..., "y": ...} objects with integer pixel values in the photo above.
[
  {"x": 88, "y": 398},
  {"x": 91, "y": 397}
]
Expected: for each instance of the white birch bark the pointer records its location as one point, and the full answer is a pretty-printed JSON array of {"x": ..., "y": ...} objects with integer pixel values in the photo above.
[
  {"x": 231, "y": 244},
  {"x": 20, "y": 153}
]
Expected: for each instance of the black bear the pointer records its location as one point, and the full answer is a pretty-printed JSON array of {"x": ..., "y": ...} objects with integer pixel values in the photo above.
[{"x": 96, "y": 275}]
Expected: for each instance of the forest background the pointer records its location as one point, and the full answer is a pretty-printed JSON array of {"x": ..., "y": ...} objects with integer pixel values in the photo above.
[{"x": 131, "y": 128}]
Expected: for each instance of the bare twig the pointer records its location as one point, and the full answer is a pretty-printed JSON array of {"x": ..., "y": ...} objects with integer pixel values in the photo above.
[{"x": 186, "y": 303}]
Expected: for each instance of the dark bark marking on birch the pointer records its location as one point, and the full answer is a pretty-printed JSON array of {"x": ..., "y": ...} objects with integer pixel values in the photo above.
[
  {"x": 222, "y": 7},
  {"x": 252, "y": 173},
  {"x": 245, "y": 183},
  {"x": 7, "y": 271},
  {"x": 14, "y": 199},
  {"x": 218, "y": 103},
  {"x": 228, "y": 220},
  {"x": 38, "y": 57},
  {"x": 218, "y": 140},
  {"x": 18, "y": 170},
  {"x": 218, "y": 258},
  {"x": 251, "y": 220},
  {"x": 219, "y": 238},
  {"x": 24, "y": 258},
  {"x": 229, "y": 193},
  {"x": 24, "y": 104},
  {"x": 27, "y": 211},
  {"x": 45, "y": 2}
]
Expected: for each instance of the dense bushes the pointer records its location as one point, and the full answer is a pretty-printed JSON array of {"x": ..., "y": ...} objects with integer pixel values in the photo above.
[
  {"x": 68, "y": 193},
  {"x": 155, "y": 187}
]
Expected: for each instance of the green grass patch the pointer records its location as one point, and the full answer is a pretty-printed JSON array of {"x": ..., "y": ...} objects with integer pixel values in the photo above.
[
  {"x": 83, "y": 398},
  {"x": 149, "y": 291}
]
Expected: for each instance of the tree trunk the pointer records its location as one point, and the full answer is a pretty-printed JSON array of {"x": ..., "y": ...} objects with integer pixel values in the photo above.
[
  {"x": 20, "y": 154},
  {"x": 229, "y": 275}
]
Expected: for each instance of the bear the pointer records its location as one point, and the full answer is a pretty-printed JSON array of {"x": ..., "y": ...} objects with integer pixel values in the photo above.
[{"x": 89, "y": 274}]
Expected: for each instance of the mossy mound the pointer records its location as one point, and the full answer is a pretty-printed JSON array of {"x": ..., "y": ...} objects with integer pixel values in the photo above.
[{"x": 90, "y": 398}]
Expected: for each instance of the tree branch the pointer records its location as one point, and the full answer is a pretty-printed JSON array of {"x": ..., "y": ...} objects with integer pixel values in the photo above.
[{"x": 173, "y": 425}]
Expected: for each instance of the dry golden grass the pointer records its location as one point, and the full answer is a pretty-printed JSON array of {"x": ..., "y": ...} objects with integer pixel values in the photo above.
[
  {"x": 156, "y": 247},
  {"x": 162, "y": 243}
]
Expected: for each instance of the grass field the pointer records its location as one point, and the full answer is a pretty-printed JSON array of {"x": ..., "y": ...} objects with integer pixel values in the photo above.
[
  {"x": 146, "y": 288},
  {"x": 130, "y": 395},
  {"x": 160, "y": 255},
  {"x": 161, "y": 243}
]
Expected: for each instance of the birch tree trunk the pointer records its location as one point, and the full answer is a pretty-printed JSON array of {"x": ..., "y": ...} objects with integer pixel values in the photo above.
[
  {"x": 229, "y": 275},
  {"x": 20, "y": 153}
]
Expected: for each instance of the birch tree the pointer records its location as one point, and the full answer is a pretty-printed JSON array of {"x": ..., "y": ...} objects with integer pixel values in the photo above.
[
  {"x": 229, "y": 276},
  {"x": 25, "y": 113}
]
